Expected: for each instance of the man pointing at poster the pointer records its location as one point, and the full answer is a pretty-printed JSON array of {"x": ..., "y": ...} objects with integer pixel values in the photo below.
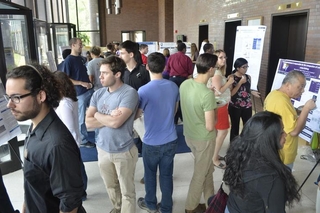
[{"x": 279, "y": 101}]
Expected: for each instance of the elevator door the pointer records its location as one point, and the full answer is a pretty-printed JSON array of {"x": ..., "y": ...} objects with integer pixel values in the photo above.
[{"x": 288, "y": 41}]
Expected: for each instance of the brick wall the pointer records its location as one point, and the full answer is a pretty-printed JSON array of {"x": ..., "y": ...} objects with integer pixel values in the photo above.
[{"x": 189, "y": 13}]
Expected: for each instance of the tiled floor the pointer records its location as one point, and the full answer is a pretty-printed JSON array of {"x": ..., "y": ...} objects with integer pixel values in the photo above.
[{"x": 98, "y": 200}]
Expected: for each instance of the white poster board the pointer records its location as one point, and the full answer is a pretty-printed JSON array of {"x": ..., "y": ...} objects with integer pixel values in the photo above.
[
  {"x": 312, "y": 73},
  {"x": 170, "y": 45},
  {"x": 9, "y": 127},
  {"x": 152, "y": 46},
  {"x": 249, "y": 45}
]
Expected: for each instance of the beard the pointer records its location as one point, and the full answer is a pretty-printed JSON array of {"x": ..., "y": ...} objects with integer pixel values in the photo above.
[{"x": 26, "y": 115}]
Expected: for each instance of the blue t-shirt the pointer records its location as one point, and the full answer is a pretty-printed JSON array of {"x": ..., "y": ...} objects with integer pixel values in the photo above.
[
  {"x": 158, "y": 99},
  {"x": 75, "y": 68},
  {"x": 120, "y": 139}
]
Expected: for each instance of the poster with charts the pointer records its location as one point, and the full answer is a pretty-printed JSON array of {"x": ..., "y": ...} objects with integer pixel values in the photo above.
[
  {"x": 9, "y": 127},
  {"x": 249, "y": 45},
  {"x": 172, "y": 46},
  {"x": 311, "y": 91}
]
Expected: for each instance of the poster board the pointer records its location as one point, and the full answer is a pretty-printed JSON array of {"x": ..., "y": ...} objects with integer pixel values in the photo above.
[
  {"x": 249, "y": 45},
  {"x": 312, "y": 73},
  {"x": 170, "y": 45},
  {"x": 9, "y": 127}
]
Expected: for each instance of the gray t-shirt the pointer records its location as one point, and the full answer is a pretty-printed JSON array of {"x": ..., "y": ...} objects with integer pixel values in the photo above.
[
  {"x": 94, "y": 69},
  {"x": 110, "y": 139}
]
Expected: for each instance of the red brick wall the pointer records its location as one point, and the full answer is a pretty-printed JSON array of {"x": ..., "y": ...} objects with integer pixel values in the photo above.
[
  {"x": 134, "y": 15},
  {"x": 188, "y": 13}
]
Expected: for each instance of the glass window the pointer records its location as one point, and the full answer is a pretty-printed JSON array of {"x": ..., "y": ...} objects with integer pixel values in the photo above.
[{"x": 41, "y": 8}]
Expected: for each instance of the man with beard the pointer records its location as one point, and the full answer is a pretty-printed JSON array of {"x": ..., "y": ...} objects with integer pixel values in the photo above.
[
  {"x": 52, "y": 177},
  {"x": 112, "y": 110}
]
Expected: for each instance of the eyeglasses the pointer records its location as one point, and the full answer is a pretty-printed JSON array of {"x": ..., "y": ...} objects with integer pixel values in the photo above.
[
  {"x": 244, "y": 67},
  {"x": 221, "y": 57},
  {"x": 16, "y": 98}
]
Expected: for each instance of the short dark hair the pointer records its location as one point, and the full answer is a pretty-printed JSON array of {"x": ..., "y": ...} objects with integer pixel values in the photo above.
[
  {"x": 39, "y": 77},
  {"x": 110, "y": 46},
  {"x": 207, "y": 47},
  {"x": 116, "y": 65},
  {"x": 67, "y": 87},
  {"x": 181, "y": 46},
  {"x": 132, "y": 47},
  {"x": 142, "y": 46},
  {"x": 205, "y": 61},
  {"x": 156, "y": 62},
  {"x": 65, "y": 53},
  {"x": 95, "y": 50}
]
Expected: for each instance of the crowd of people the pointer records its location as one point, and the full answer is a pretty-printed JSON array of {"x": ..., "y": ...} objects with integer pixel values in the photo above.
[{"x": 112, "y": 93}]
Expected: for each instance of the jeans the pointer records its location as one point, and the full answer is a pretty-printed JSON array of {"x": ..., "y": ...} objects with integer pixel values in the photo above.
[
  {"x": 83, "y": 103},
  {"x": 153, "y": 157}
]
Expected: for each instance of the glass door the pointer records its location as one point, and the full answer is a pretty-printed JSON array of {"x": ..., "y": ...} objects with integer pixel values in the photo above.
[
  {"x": 61, "y": 33},
  {"x": 42, "y": 41},
  {"x": 17, "y": 47}
]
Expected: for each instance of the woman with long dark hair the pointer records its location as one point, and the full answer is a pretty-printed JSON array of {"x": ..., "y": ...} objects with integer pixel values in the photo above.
[
  {"x": 255, "y": 174},
  {"x": 240, "y": 105}
]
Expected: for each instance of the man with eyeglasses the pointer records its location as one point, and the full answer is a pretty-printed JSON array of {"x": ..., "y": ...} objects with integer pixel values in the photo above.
[
  {"x": 279, "y": 101},
  {"x": 52, "y": 176}
]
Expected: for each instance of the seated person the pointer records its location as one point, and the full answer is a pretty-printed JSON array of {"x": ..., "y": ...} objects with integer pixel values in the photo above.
[{"x": 257, "y": 178}]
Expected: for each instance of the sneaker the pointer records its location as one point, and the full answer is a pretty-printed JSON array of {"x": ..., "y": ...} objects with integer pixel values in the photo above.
[
  {"x": 142, "y": 205},
  {"x": 88, "y": 145},
  {"x": 201, "y": 208},
  {"x": 115, "y": 211}
]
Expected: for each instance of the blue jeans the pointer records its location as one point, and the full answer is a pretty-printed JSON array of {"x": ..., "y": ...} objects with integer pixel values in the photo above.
[
  {"x": 162, "y": 156},
  {"x": 83, "y": 103}
]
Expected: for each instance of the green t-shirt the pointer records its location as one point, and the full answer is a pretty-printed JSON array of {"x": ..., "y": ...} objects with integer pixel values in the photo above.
[{"x": 196, "y": 99}]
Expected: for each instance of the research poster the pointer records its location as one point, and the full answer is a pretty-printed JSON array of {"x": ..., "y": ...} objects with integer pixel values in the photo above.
[
  {"x": 152, "y": 46},
  {"x": 311, "y": 91},
  {"x": 170, "y": 45},
  {"x": 9, "y": 127},
  {"x": 249, "y": 45}
]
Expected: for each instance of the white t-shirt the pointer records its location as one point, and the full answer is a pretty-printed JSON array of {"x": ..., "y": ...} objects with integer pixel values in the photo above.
[{"x": 68, "y": 113}]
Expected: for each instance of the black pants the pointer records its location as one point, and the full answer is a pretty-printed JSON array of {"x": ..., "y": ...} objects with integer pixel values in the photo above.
[
  {"x": 235, "y": 114},
  {"x": 5, "y": 203},
  {"x": 178, "y": 81}
]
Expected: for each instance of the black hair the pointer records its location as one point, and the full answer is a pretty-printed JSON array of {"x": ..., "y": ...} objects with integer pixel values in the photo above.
[
  {"x": 257, "y": 145},
  {"x": 65, "y": 53},
  {"x": 116, "y": 65},
  {"x": 132, "y": 47},
  {"x": 39, "y": 77},
  {"x": 239, "y": 63},
  {"x": 181, "y": 46},
  {"x": 205, "y": 61},
  {"x": 156, "y": 62},
  {"x": 207, "y": 47}
]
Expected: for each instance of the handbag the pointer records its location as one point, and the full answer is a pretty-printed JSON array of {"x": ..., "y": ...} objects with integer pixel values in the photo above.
[{"x": 218, "y": 202}]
